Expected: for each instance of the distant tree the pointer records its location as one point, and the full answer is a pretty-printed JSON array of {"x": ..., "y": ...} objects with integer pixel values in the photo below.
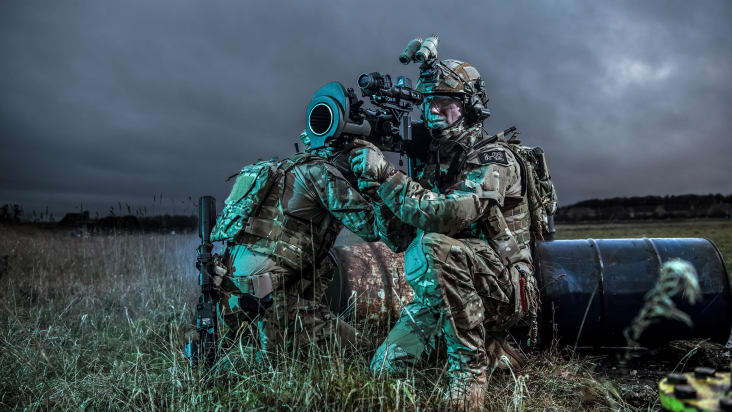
[
  {"x": 17, "y": 213},
  {"x": 5, "y": 213}
]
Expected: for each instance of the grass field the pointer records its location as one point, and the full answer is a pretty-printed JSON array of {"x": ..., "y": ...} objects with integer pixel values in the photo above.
[
  {"x": 719, "y": 231},
  {"x": 99, "y": 323}
]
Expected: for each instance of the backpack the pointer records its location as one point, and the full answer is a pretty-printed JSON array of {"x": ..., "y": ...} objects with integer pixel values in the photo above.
[
  {"x": 253, "y": 184},
  {"x": 540, "y": 191}
]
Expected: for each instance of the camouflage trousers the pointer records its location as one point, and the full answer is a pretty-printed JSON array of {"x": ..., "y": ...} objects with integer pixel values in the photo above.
[
  {"x": 463, "y": 294},
  {"x": 293, "y": 314}
]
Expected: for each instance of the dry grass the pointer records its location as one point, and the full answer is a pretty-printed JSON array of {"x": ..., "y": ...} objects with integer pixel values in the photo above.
[{"x": 98, "y": 323}]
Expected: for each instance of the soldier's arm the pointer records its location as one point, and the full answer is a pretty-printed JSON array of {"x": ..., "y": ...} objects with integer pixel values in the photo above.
[
  {"x": 341, "y": 200},
  {"x": 396, "y": 234},
  {"x": 446, "y": 213},
  {"x": 390, "y": 230}
]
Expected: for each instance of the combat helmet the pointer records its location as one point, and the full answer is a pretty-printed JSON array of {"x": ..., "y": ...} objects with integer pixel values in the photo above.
[{"x": 458, "y": 80}]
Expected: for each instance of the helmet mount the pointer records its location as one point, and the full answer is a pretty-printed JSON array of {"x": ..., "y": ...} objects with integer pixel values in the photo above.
[{"x": 447, "y": 77}]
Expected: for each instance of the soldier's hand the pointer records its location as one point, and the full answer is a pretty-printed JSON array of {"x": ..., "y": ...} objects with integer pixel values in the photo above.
[
  {"x": 368, "y": 188},
  {"x": 368, "y": 164}
]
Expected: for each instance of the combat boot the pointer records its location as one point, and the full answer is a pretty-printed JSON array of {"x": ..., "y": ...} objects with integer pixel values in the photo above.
[
  {"x": 347, "y": 334},
  {"x": 502, "y": 355},
  {"x": 466, "y": 392}
]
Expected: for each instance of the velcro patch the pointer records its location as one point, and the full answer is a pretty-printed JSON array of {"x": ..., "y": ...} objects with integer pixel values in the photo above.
[{"x": 496, "y": 156}]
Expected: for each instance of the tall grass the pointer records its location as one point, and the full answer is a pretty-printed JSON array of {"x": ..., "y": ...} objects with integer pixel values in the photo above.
[{"x": 99, "y": 323}]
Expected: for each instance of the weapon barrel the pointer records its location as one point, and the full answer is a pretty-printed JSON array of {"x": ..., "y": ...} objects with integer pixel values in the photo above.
[{"x": 206, "y": 325}]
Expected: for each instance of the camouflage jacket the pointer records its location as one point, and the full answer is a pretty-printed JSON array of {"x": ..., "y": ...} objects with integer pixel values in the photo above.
[
  {"x": 297, "y": 220},
  {"x": 481, "y": 196}
]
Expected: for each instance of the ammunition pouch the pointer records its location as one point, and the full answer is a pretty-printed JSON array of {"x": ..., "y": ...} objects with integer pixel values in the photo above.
[
  {"x": 518, "y": 222},
  {"x": 288, "y": 241},
  {"x": 501, "y": 238}
]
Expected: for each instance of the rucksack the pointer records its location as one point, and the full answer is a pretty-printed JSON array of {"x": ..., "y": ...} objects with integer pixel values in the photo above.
[
  {"x": 540, "y": 191},
  {"x": 253, "y": 184}
]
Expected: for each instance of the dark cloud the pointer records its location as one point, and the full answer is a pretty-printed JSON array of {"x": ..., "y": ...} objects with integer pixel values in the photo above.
[{"x": 105, "y": 102}]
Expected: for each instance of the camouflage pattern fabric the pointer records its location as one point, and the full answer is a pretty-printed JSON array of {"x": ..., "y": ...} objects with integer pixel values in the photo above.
[
  {"x": 462, "y": 292},
  {"x": 286, "y": 234},
  {"x": 467, "y": 264},
  {"x": 295, "y": 316},
  {"x": 703, "y": 390}
]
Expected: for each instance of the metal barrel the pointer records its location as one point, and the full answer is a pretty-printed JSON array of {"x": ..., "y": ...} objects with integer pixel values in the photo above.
[
  {"x": 369, "y": 283},
  {"x": 591, "y": 289}
]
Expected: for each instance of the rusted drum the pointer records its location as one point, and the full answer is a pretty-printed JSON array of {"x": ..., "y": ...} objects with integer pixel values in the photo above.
[
  {"x": 591, "y": 289},
  {"x": 370, "y": 282}
]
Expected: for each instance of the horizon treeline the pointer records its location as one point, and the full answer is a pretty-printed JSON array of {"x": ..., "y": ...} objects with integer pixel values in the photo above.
[{"x": 711, "y": 206}]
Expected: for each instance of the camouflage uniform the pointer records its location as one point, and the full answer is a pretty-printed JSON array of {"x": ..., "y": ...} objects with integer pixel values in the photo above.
[
  {"x": 285, "y": 240},
  {"x": 465, "y": 263},
  {"x": 470, "y": 264}
]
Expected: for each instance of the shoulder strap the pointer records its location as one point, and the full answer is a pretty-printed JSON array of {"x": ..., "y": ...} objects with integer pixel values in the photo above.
[{"x": 522, "y": 161}]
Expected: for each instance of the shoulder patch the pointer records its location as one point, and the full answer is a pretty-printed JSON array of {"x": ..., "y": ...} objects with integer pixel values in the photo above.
[{"x": 496, "y": 156}]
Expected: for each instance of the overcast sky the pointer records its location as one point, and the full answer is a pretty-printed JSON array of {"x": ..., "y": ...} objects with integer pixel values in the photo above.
[{"x": 118, "y": 101}]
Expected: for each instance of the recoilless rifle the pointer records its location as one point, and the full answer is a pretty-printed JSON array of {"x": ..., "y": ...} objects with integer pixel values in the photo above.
[{"x": 335, "y": 114}]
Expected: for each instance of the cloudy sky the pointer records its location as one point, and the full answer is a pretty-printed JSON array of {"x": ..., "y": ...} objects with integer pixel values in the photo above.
[{"x": 103, "y": 102}]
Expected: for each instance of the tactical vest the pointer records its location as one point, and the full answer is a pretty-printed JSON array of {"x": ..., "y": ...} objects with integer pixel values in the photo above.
[{"x": 254, "y": 216}]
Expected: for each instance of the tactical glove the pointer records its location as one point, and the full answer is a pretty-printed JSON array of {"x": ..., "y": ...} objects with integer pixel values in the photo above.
[{"x": 368, "y": 163}]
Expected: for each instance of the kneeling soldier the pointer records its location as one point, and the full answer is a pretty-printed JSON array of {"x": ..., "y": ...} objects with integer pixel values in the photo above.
[
  {"x": 279, "y": 222},
  {"x": 476, "y": 204}
]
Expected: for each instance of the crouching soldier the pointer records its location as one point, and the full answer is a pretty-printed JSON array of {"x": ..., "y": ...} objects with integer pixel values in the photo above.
[
  {"x": 477, "y": 206},
  {"x": 279, "y": 222}
]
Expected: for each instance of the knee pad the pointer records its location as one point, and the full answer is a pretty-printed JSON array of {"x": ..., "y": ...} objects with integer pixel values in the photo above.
[{"x": 420, "y": 272}]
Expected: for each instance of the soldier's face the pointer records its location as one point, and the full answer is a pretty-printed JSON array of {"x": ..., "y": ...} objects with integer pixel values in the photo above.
[{"x": 441, "y": 112}]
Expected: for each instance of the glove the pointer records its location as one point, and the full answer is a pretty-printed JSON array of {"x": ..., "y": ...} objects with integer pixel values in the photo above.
[{"x": 369, "y": 165}]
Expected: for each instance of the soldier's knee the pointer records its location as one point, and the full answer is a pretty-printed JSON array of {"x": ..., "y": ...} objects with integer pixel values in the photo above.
[
  {"x": 442, "y": 250},
  {"x": 420, "y": 273},
  {"x": 429, "y": 249},
  {"x": 433, "y": 258},
  {"x": 437, "y": 245}
]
